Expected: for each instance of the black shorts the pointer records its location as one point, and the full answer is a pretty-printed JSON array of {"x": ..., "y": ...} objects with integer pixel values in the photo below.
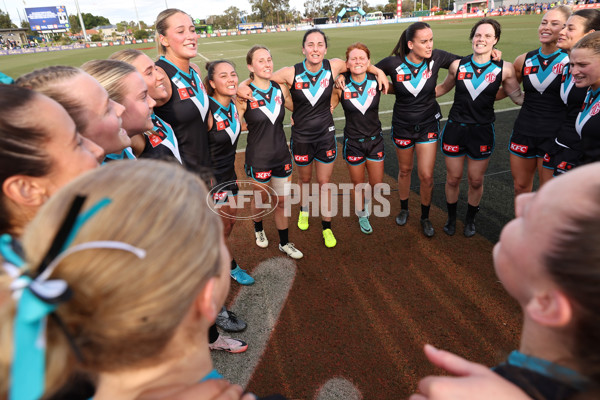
[
  {"x": 264, "y": 175},
  {"x": 566, "y": 159},
  {"x": 405, "y": 137},
  {"x": 550, "y": 159},
  {"x": 476, "y": 141},
  {"x": 324, "y": 151},
  {"x": 357, "y": 152},
  {"x": 530, "y": 147},
  {"x": 224, "y": 185}
]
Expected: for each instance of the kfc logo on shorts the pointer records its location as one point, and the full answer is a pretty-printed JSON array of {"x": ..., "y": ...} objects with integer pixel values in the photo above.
[
  {"x": 354, "y": 158},
  {"x": 301, "y": 158},
  {"x": 263, "y": 175},
  {"x": 595, "y": 109},
  {"x": 403, "y": 77},
  {"x": 484, "y": 149},
  {"x": 287, "y": 167},
  {"x": 427, "y": 74},
  {"x": 219, "y": 196},
  {"x": 546, "y": 157},
  {"x": 558, "y": 69},
  {"x": 402, "y": 142},
  {"x": 518, "y": 148},
  {"x": 330, "y": 153},
  {"x": 490, "y": 77},
  {"x": 450, "y": 148},
  {"x": 431, "y": 135},
  {"x": 564, "y": 166},
  {"x": 380, "y": 154},
  {"x": 324, "y": 83}
]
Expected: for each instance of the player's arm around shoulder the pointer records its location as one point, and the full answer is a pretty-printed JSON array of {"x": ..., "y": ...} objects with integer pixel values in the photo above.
[
  {"x": 287, "y": 97},
  {"x": 511, "y": 86},
  {"x": 284, "y": 76},
  {"x": 518, "y": 67},
  {"x": 448, "y": 83}
]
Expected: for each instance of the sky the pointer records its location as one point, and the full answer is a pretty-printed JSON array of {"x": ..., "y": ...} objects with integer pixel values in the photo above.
[{"x": 124, "y": 10}]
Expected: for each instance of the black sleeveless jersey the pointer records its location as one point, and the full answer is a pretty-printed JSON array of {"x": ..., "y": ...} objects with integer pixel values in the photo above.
[
  {"x": 186, "y": 112},
  {"x": 161, "y": 142},
  {"x": 360, "y": 101},
  {"x": 475, "y": 91},
  {"x": 267, "y": 146},
  {"x": 543, "y": 110},
  {"x": 223, "y": 137},
  {"x": 573, "y": 97},
  {"x": 588, "y": 126},
  {"x": 311, "y": 93},
  {"x": 414, "y": 86}
]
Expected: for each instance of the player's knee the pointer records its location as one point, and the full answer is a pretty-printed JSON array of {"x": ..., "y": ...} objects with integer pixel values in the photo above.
[{"x": 476, "y": 183}]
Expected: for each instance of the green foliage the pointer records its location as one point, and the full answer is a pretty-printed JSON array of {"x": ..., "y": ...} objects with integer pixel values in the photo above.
[
  {"x": 5, "y": 21},
  {"x": 141, "y": 34},
  {"x": 74, "y": 23},
  {"x": 25, "y": 24},
  {"x": 96, "y": 38},
  {"x": 91, "y": 21}
]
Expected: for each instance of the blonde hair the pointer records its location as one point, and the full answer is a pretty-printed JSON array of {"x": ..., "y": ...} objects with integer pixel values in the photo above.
[
  {"x": 564, "y": 10},
  {"x": 53, "y": 82},
  {"x": 110, "y": 74},
  {"x": 127, "y": 55},
  {"x": 162, "y": 26},
  {"x": 124, "y": 310}
]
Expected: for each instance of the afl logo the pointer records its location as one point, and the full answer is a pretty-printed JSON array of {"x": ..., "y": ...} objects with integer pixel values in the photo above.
[
  {"x": 595, "y": 109},
  {"x": 372, "y": 92},
  {"x": 558, "y": 69},
  {"x": 324, "y": 83},
  {"x": 427, "y": 74},
  {"x": 490, "y": 77}
]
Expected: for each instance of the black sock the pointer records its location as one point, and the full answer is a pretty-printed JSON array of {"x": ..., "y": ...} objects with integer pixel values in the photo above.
[
  {"x": 283, "y": 236},
  {"x": 326, "y": 224},
  {"x": 233, "y": 264},
  {"x": 404, "y": 204},
  {"x": 258, "y": 226},
  {"x": 424, "y": 211},
  {"x": 471, "y": 211},
  {"x": 213, "y": 333},
  {"x": 452, "y": 210}
]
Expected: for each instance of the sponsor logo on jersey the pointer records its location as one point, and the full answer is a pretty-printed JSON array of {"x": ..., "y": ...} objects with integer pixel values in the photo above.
[
  {"x": 302, "y": 85},
  {"x": 300, "y": 158},
  {"x": 546, "y": 157},
  {"x": 465, "y": 75},
  {"x": 431, "y": 135},
  {"x": 354, "y": 158},
  {"x": 402, "y": 142},
  {"x": 531, "y": 70},
  {"x": 595, "y": 109},
  {"x": 403, "y": 77},
  {"x": 372, "y": 92},
  {"x": 256, "y": 104},
  {"x": 451, "y": 148},
  {"x": 426, "y": 74},
  {"x": 278, "y": 100},
  {"x": 330, "y": 153},
  {"x": 518, "y": 148},
  {"x": 490, "y": 77},
  {"x": 558, "y": 68},
  {"x": 221, "y": 125},
  {"x": 324, "y": 83},
  {"x": 262, "y": 174},
  {"x": 156, "y": 138},
  {"x": 185, "y": 93},
  {"x": 350, "y": 95}
]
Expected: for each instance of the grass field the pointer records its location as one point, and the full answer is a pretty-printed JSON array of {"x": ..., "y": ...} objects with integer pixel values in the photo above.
[{"x": 518, "y": 35}]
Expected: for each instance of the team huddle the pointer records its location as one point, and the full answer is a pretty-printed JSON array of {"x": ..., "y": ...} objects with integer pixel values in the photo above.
[{"x": 124, "y": 313}]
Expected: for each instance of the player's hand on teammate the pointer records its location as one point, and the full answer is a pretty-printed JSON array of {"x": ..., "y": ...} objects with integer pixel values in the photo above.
[
  {"x": 340, "y": 82},
  {"x": 472, "y": 381}
]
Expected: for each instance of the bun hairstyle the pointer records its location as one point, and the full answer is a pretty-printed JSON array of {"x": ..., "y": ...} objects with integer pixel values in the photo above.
[{"x": 210, "y": 74}]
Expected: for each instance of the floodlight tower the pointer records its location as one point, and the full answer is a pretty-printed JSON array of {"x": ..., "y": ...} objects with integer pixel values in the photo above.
[{"x": 85, "y": 37}]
